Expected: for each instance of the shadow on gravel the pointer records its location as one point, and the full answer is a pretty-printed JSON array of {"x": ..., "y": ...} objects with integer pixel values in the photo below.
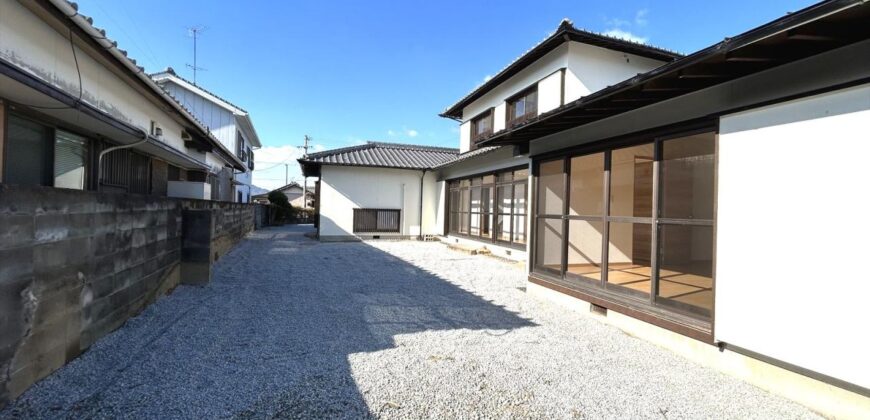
[{"x": 269, "y": 337}]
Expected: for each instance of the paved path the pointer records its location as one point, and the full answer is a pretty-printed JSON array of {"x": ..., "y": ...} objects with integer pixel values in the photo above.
[{"x": 292, "y": 328}]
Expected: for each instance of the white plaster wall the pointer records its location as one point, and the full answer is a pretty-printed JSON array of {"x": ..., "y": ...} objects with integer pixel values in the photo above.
[
  {"x": 465, "y": 137},
  {"x": 592, "y": 68},
  {"x": 187, "y": 189},
  {"x": 33, "y": 45},
  {"x": 529, "y": 76},
  {"x": 433, "y": 196},
  {"x": 344, "y": 188},
  {"x": 792, "y": 232},
  {"x": 550, "y": 92},
  {"x": 499, "y": 117}
]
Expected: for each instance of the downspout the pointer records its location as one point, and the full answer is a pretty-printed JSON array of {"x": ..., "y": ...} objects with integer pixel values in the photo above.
[
  {"x": 422, "y": 175},
  {"x": 112, "y": 149}
]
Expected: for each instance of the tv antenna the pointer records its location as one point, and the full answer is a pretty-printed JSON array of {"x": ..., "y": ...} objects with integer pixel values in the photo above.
[{"x": 194, "y": 32}]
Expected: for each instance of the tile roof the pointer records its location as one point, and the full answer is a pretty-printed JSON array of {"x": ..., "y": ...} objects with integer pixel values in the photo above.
[
  {"x": 468, "y": 155},
  {"x": 564, "y": 32},
  {"x": 383, "y": 155}
]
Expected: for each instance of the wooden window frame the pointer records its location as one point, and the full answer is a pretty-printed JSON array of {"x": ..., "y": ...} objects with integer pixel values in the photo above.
[
  {"x": 475, "y": 136},
  {"x": 510, "y": 120}
]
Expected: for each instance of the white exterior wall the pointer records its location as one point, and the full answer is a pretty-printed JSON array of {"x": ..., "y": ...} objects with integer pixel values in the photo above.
[
  {"x": 29, "y": 42},
  {"x": 792, "y": 232},
  {"x": 465, "y": 137},
  {"x": 587, "y": 69},
  {"x": 592, "y": 68},
  {"x": 188, "y": 189},
  {"x": 344, "y": 188},
  {"x": 550, "y": 92}
]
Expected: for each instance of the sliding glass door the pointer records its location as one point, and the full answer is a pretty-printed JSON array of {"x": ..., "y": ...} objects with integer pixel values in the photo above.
[{"x": 633, "y": 221}]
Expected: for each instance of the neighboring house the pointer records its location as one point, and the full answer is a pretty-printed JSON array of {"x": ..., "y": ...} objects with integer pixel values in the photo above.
[
  {"x": 229, "y": 123},
  {"x": 374, "y": 190},
  {"x": 293, "y": 191},
  {"x": 679, "y": 196},
  {"x": 70, "y": 99}
]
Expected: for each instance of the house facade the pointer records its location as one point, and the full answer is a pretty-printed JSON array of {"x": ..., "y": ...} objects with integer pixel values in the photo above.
[
  {"x": 678, "y": 195},
  {"x": 76, "y": 112},
  {"x": 230, "y": 124},
  {"x": 293, "y": 192}
]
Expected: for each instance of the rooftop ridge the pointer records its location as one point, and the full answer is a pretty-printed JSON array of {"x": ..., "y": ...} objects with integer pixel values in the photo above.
[{"x": 171, "y": 71}]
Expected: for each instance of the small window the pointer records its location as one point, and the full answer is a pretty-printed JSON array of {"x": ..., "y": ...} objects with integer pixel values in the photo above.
[
  {"x": 376, "y": 220},
  {"x": 481, "y": 126},
  {"x": 70, "y": 160},
  {"x": 522, "y": 107}
]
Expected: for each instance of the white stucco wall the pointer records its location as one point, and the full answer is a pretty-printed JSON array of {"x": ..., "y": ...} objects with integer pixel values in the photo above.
[
  {"x": 344, "y": 188},
  {"x": 592, "y": 68},
  {"x": 188, "y": 189},
  {"x": 30, "y": 43},
  {"x": 550, "y": 92},
  {"x": 792, "y": 232}
]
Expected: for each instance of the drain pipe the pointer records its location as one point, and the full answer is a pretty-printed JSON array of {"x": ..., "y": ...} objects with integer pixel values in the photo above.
[
  {"x": 112, "y": 149},
  {"x": 422, "y": 175}
]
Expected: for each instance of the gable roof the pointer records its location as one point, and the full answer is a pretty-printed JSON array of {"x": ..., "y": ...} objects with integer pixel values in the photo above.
[
  {"x": 379, "y": 155},
  {"x": 467, "y": 155},
  {"x": 242, "y": 117},
  {"x": 810, "y": 31},
  {"x": 564, "y": 33},
  {"x": 98, "y": 36}
]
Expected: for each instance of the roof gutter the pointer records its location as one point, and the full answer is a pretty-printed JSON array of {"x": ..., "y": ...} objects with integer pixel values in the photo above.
[{"x": 70, "y": 10}]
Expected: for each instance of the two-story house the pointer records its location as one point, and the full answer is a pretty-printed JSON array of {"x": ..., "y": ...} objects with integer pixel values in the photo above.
[
  {"x": 76, "y": 112},
  {"x": 230, "y": 124},
  {"x": 677, "y": 197}
]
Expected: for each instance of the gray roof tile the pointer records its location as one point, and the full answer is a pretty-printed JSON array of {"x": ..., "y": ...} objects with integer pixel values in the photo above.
[{"x": 385, "y": 155}]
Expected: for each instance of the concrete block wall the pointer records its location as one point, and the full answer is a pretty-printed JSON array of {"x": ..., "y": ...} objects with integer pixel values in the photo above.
[{"x": 75, "y": 265}]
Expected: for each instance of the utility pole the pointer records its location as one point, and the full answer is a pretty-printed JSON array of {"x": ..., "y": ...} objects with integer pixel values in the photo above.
[
  {"x": 194, "y": 32},
  {"x": 305, "y": 178}
]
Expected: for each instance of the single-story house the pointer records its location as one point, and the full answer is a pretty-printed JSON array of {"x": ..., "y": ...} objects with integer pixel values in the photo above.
[
  {"x": 293, "y": 191},
  {"x": 710, "y": 202}
]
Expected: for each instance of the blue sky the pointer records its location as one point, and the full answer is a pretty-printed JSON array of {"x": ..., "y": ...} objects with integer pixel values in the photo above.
[{"x": 348, "y": 71}]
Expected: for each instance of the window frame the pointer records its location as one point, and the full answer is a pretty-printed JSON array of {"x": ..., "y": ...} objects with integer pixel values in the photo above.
[
  {"x": 510, "y": 106},
  {"x": 455, "y": 185},
  {"x": 488, "y": 114},
  {"x": 675, "y": 316}
]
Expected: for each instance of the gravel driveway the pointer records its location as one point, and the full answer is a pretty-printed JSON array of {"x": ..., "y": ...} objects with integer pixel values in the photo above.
[{"x": 290, "y": 327}]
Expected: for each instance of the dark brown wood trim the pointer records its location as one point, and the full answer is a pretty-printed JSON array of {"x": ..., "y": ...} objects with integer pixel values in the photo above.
[
  {"x": 690, "y": 331},
  {"x": 3, "y": 114}
]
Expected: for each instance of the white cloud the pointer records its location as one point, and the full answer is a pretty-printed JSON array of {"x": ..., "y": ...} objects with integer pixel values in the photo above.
[
  {"x": 487, "y": 78},
  {"x": 617, "y": 22},
  {"x": 640, "y": 17},
  {"x": 626, "y": 35},
  {"x": 411, "y": 133},
  {"x": 391, "y": 133}
]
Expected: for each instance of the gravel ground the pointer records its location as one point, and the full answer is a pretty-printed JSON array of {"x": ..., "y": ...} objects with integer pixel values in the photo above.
[{"x": 293, "y": 328}]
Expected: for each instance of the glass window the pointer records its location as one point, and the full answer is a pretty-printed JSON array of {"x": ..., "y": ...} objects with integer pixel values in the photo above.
[
  {"x": 628, "y": 256},
  {"x": 548, "y": 252},
  {"x": 70, "y": 158},
  {"x": 686, "y": 267},
  {"x": 481, "y": 126},
  {"x": 631, "y": 181},
  {"x": 523, "y": 106},
  {"x": 519, "y": 229},
  {"x": 489, "y": 179},
  {"x": 585, "y": 238},
  {"x": 587, "y": 185},
  {"x": 688, "y": 177},
  {"x": 505, "y": 198},
  {"x": 28, "y": 153},
  {"x": 551, "y": 187},
  {"x": 521, "y": 174},
  {"x": 520, "y": 198},
  {"x": 503, "y": 227}
]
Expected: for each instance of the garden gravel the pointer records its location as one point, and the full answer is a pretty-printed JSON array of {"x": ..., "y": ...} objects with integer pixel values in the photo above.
[{"x": 293, "y": 328}]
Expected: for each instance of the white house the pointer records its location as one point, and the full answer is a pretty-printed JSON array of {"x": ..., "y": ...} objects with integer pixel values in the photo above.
[
  {"x": 709, "y": 203},
  {"x": 76, "y": 112},
  {"x": 230, "y": 124}
]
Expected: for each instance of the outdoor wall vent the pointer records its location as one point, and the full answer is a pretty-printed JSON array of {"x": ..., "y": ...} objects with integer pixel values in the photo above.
[
  {"x": 376, "y": 236},
  {"x": 597, "y": 309},
  {"x": 507, "y": 252}
]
